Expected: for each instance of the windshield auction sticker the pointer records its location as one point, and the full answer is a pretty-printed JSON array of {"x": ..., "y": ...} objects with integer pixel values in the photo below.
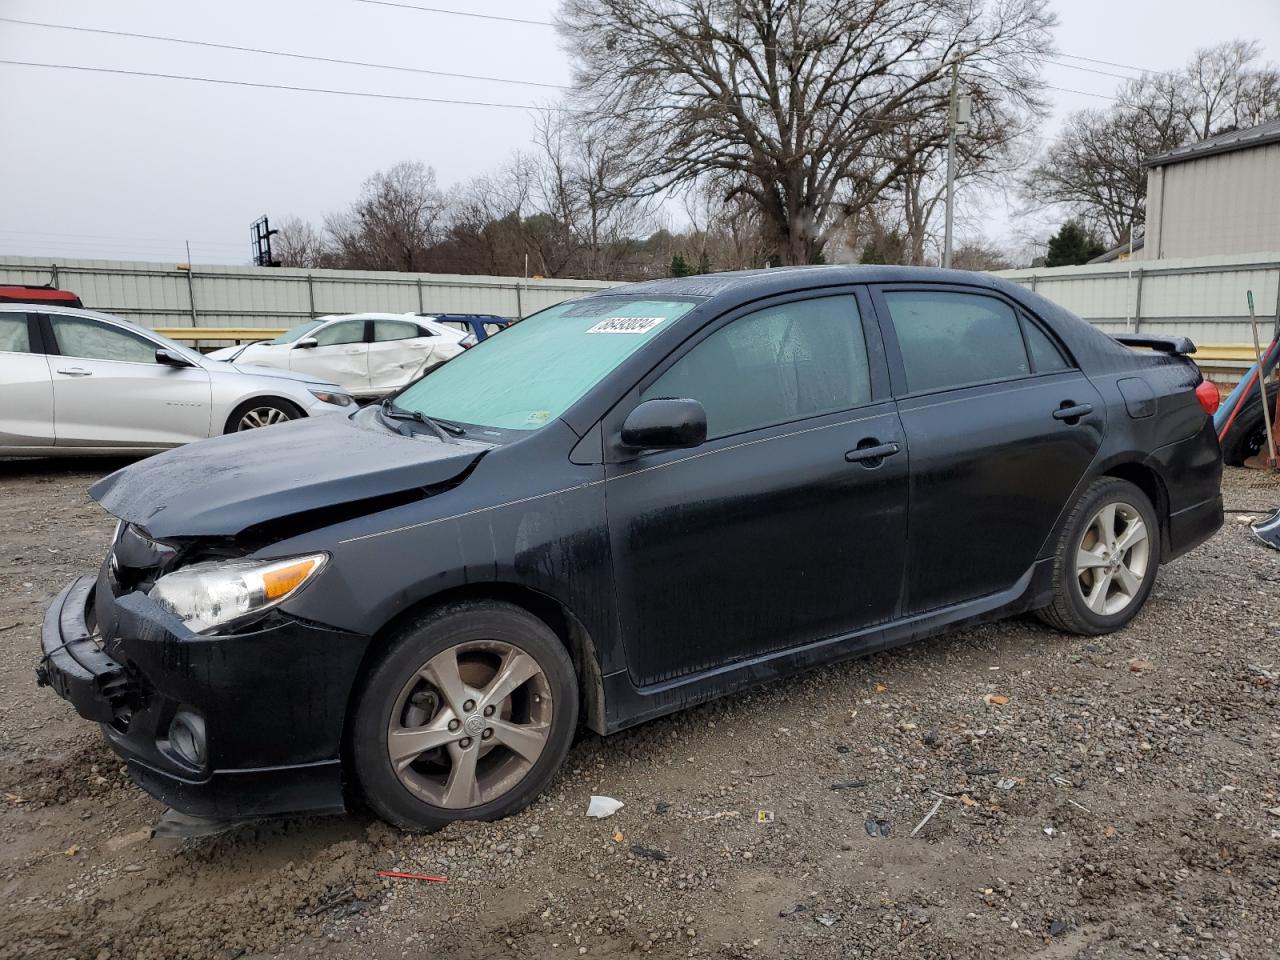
[{"x": 626, "y": 325}]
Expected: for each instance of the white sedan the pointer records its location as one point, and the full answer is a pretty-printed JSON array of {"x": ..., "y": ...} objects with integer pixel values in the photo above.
[
  {"x": 368, "y": 354},
  {"x": 77, "y": 382}
]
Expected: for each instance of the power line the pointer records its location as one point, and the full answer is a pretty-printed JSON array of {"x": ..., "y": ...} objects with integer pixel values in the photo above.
[
  {"x": 459, "y": 13},
  {"x": 282, "y": 86},
  {"x": 401, "y": 68},
  {"x": 1109, "y": 63},
  {"x": 1083, "y": 93},
  {"x": 550, "y": 23},
  {"x": 887, "y": 121},
  {"x": 279, "y": 53}
]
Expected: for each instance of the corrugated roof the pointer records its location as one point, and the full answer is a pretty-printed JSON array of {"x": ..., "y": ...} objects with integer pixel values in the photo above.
[{"x": 1259, "y": 136}]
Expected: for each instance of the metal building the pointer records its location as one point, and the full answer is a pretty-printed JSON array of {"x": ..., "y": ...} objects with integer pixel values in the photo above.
[{"x": 1217, "y": 197}]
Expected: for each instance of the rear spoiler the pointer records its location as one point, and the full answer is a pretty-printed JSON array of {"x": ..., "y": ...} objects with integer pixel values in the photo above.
[{"x": 1179, "y": 345}]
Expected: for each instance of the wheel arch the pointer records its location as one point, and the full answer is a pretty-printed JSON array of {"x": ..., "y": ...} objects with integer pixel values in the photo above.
[
  {"x": 252, "y": 398},
  {"x": 558, "y": 617},
  {"x": 1147, "y": 479}
]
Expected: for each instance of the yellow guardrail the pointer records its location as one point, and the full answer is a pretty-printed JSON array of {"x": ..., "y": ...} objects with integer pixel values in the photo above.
[
  {"x": 1237, "y": 352},
  {"x": 238, "y": 334}
]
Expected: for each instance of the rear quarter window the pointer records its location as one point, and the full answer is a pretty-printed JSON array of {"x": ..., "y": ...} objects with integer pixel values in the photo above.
[{"x": 15, "y": 336}]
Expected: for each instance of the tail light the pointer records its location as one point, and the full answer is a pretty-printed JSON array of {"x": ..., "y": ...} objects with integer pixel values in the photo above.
[{"x": 1207, "y": 394}]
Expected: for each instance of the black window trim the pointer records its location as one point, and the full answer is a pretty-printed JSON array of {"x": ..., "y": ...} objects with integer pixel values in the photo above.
[
  {"x": 877, "y": 365},
  {"x": 889, "y": 334}
]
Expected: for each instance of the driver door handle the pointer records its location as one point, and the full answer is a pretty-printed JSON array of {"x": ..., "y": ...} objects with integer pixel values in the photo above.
[
  {"x": 1072, "y": 411},
  {"x": 876, "y": 452},
  {"x": 75, "y": 372}
]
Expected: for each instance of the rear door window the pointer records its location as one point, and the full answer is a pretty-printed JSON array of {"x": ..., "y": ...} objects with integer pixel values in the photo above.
[
  {"x": 951, "y": 339},
  {"x": 15, "y": 333},
  {"x": 385, "y": 330},
  {"x": 783, "y": 363}
]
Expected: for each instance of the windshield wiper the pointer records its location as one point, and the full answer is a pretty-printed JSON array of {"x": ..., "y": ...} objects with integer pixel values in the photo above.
[{"x": 442, "y": 428}]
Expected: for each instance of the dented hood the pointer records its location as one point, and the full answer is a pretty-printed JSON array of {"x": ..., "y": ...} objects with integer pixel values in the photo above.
[{"x": 222, "y": 486}]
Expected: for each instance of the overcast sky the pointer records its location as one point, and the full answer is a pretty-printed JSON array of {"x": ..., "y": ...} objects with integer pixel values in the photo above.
[{"x": 122, "y": 167}]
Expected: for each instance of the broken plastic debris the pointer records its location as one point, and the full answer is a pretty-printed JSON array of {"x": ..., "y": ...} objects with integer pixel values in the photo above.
[
  {"x": 995, "y": 699},
  {"x": 879, "y": 828},
  {"x": 601, "y": 807},
  {"x": 1006, "y": 783},
  {"x": 848, "y": 784},
  {"x": 764, "y": 816},
  {"x": 827, "y": 921},
  {"x": 650, "y": 853},
  {"x": 1267, "y": 530}
]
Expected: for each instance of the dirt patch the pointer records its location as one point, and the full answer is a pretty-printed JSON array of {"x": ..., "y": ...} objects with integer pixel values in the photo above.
[{"x": 1116, "y": 804}]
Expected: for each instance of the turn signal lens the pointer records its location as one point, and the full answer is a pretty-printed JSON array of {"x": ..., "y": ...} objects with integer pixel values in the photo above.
[
  {"x": 279, "y": 582},
  {"x": 1207, "y": 394}
]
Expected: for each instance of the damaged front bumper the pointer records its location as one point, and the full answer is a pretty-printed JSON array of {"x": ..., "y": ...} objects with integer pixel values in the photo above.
[{"x": 238, "y": 726}]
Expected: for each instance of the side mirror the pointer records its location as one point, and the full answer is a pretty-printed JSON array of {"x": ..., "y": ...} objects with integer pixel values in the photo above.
[
  {"x": 307, "y": 343},
  {"x": 171, "y": 359},
  {"x": 665, "y": 425}
]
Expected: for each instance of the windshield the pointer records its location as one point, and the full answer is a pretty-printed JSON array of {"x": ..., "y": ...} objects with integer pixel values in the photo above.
[
  {"x": 541, "y": 365},
  {"x": 296, "y": 333}
]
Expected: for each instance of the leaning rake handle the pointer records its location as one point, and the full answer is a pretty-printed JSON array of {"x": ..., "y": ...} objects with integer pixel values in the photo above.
[
  {"x": 1262, "y": 385},
  {"x": 401, "y": 875}
]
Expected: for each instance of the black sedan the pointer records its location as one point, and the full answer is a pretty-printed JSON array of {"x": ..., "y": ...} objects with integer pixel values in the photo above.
[{"x": 624, "y": 505}]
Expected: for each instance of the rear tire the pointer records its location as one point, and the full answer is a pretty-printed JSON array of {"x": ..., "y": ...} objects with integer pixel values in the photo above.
[
  {"x": 1105, "y": 561},
  {"x": 1247, "y": 435},
  {"x": 466, "y": 715},
  {"x": 261, "y": 412}
]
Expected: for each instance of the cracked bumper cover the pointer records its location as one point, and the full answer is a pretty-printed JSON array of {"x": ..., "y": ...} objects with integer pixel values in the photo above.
[{"x": 272, "y": 701}]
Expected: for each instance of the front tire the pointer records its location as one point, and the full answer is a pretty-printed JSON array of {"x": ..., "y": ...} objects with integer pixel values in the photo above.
[
  {"x": 1105, "y": 561},
  {"x": 261, "y": 412},
  {"x": 467, "y": 715}
]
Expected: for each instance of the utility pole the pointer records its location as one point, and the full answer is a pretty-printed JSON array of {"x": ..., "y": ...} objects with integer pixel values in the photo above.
[{"x": 957, "y": 122}]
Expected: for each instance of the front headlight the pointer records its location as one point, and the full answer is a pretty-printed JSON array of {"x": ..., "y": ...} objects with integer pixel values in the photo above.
[
  {"x": 208, "y": 594},
  {"x": 331, "y": 396}
]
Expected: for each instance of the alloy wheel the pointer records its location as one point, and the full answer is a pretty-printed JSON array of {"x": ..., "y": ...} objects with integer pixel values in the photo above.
[
  {"x": 470, "y": 724},
  {"x": 262, "y": 417},
  {"x": 1113, "y": 558}
]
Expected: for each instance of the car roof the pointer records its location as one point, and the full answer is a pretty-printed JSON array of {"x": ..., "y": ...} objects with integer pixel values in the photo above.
[
  {"x": 727, "y": 291},
  {"x": 752, "y": 284},
  {"x": 73, "y": 311},
  {"x": 402, "y": 317}
]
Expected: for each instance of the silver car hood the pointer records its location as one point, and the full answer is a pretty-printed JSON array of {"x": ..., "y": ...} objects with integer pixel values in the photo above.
[{"x": 274, "y": 373}]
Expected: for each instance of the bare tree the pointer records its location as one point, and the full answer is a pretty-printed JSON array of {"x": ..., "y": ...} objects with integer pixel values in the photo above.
[
  {"x": 788, "y": 100},
  {"x": 1225, "y": 88},
  {"x": 584, "y": 185},
  {"x": 299, "y": 244},
  {"x": 1096, "y": 166},
  {"x": 487, "y": 232},
  {"x": 394, "y": 223}
]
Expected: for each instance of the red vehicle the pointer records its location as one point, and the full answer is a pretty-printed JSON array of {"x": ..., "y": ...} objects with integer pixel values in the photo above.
[{"x": 30, "y": 293}]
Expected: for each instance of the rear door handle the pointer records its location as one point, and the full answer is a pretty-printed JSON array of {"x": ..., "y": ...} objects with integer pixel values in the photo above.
[
  {"x": 75, "y": 372},
  {"x": 870, "y": 456},
  {"x": 1072, "y": 411}
]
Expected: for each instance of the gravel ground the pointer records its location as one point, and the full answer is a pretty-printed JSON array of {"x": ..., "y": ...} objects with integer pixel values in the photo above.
[{"x": 1123, "y": 802}]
